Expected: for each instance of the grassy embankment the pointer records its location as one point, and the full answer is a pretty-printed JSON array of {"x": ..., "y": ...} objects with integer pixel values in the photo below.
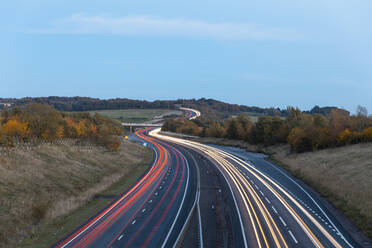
[
  {"x": 136, "y": 115},
  {"x": 48, "y": 191},
  {"x": 341, "y": 175}
]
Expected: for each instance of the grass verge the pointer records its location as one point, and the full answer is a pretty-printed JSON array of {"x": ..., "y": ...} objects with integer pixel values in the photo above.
[
  {"x": 49, "y": 233},
  {"x": 342, "y": 176}
]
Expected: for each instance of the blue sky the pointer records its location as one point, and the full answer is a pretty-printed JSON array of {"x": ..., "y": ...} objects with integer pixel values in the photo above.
[{"x": 263, "y": 53}]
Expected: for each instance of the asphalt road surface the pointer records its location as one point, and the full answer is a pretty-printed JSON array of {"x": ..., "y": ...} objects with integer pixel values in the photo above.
[
  {"x": 273, "y": 209},
  {"x": 197, "y": 195},
  {"x": 152, "y": 213}
]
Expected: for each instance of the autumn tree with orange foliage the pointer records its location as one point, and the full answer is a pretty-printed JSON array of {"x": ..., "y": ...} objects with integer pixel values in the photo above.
[
  {"x": 42, "y": 122},
  {"x": 302, "y": 131}
]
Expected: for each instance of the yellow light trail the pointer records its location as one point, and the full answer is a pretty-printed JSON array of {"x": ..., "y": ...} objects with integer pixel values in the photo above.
[{"x": 238, "y": 179}]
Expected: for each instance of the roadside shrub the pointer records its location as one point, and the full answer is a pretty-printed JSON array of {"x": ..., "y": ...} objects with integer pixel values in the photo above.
[
  {"x": 189, "y": 127},
  {"x": 299, "y": 141},
  {"x": 215, "y": 130},
  {"x": 172, "y": 125},
  {"x": 367, "y": 134},
  {"x": 345, "y": 137}
]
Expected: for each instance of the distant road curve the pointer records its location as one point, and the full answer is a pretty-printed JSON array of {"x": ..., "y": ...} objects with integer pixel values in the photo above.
[
  {"x": 155, "y": 211},
  {"x": 191, "y": 113}
]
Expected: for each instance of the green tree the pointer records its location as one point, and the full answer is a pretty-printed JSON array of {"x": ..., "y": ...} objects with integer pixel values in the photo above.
[
  {"x": 215, "y": 130},
  {"x": 234, "y": 129}
]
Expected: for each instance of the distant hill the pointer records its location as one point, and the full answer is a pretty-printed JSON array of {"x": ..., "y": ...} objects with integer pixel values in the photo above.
[{"x": 207, "y": 106}]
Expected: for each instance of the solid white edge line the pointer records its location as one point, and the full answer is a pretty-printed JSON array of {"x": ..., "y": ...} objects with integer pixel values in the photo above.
[
  {"x": 197, "y": 197},
  {"x": 232, "y": 193},
  {"x": 338, "y": 231},
  {"x": 182, "y": 202},
  {"x": 108, "y": 210},
  {"x": 236, "y": 205},
  {"x": 312, "y": 199}
]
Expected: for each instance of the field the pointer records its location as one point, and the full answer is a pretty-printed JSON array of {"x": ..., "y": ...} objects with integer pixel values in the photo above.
[
  {"x": 136, "y": 115},
  {"x": 49, "y": 190}
]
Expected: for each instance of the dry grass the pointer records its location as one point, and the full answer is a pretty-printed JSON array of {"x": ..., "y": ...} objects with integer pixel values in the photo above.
[
  {"x": 342, "y": 175},
  {"x": 40, "y": 185}
]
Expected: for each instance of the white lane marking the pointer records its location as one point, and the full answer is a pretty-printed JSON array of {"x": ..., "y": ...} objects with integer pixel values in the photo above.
[
  {"x": 293, "y": 237},
  {"x": 134, "y": 222},
  {"x": 267, "y": 200},
  {"x": 256, "y": 186},
  {"x": 274, "y": 209},
  {"x": 183, "y": 199},
  {"x": 237, "y": 208},
  {"x": 108, "y": 210},
  {"x": 281, "y": 219},
  {"x": 120, "y": 237},
  {"x": 262, "y": 193},
  {"x": 315, "y": 202}
]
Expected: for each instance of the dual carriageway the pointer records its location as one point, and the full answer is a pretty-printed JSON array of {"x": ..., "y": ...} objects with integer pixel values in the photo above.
[{"x": 196, "y": 195}]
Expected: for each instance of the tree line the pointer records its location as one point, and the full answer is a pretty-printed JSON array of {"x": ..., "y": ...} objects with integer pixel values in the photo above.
[
  {"x": 302, "y": 131},
  {"x": 87, "y": 104},
  {"x": 35, "y": 122}
]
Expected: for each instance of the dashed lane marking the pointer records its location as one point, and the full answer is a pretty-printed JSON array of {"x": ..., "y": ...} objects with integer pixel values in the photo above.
[
  {"x": 274, "y": 209},
  {"x": 281, "y": 219},
  {"x": 293, "y": 237}
]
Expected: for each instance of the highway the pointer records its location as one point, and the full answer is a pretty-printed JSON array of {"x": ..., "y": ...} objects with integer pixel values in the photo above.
[
  {"x": 274, "y": 210},
  {"x": 190, "y": 114},
  {"x": 153, "y": 212},
  {"x": 197, "y": 195}
]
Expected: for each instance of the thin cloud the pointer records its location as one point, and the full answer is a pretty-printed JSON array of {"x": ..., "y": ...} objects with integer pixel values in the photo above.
[{"x": 152, "y": 26}]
